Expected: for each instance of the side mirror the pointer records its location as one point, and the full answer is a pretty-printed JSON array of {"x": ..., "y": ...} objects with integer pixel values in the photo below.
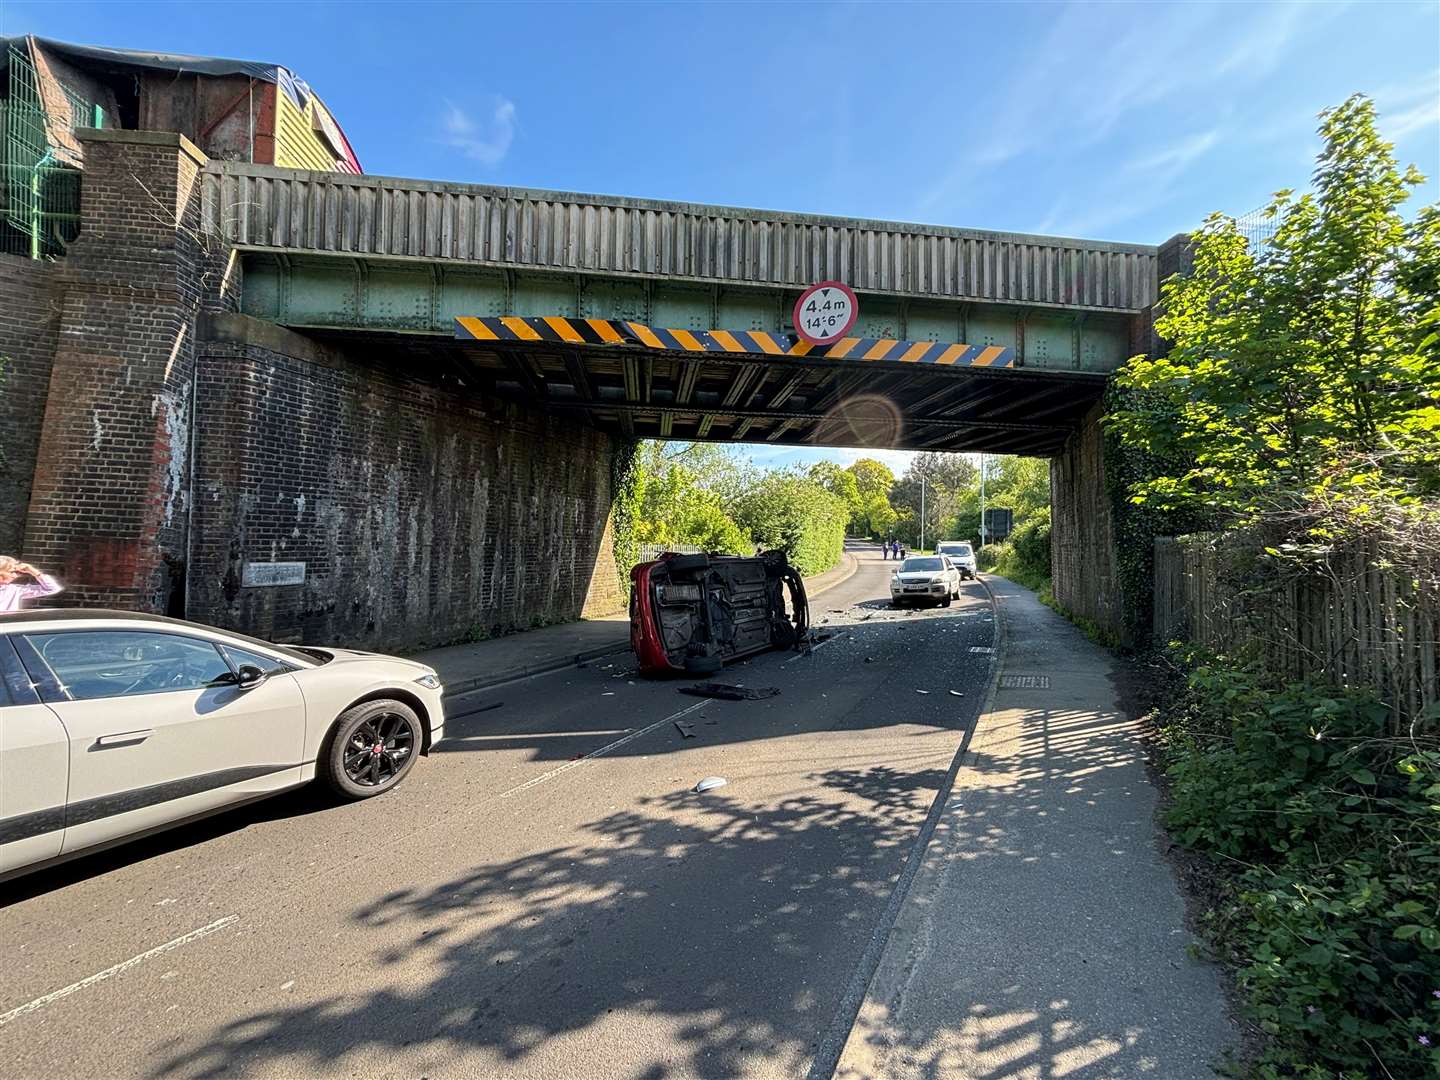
[{"x": 249, "y": 677}]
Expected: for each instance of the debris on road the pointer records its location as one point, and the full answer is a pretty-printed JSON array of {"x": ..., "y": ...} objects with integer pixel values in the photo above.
[
  {"x": 869, "y": 659},
  {"x": 726, "y": 692},
  {"x": 687, "y": 730},
  {"x": 710, "y": 783}
]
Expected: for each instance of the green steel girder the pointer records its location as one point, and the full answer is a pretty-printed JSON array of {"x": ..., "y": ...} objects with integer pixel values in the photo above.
[{"x": 335, "y": 292}]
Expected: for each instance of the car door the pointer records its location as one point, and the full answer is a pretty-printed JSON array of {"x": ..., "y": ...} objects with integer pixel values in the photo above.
[
  {"x": 158, "y": 728},
  {"x": 34, "y": 769},
  {"x": 952, "y": 576}
]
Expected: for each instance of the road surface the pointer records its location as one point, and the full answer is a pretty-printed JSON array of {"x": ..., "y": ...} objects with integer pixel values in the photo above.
[{"x": 520, "y": 908}]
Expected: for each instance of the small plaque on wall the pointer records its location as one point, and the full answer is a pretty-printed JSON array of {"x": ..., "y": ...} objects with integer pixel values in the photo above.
[{"x": 272, "y": 573}]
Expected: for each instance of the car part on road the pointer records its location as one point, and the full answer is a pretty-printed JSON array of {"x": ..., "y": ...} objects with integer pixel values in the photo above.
[
  {"x": 687, "y": 731},
  {"x": 726, "y": 692},
  {"x": 710, "y": 783},
  {"x": 695, "y": 613}
]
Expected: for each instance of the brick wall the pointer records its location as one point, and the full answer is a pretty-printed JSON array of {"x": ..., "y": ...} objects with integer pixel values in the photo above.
[
  {"x": 108, "y": 502},
  {"x": 29, "y": 319},
  {"x": 422, "y": 513},
  {"x": 1085, "y": 580}
]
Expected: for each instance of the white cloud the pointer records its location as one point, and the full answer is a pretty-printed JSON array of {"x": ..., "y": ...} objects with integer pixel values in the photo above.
[
  {"x": 1179, "y": 156},
  {"x": 1416, "y": 118},
  {"x": 488, "y": 144},
  {"x": 1131, "y": 64}
]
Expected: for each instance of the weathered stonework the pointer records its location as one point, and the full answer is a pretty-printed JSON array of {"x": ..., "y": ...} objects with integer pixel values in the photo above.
[
  {"x": 422, "y": 513},
  {"x": 30, "y": 296},
  {"x": 1084, "y": 576}
]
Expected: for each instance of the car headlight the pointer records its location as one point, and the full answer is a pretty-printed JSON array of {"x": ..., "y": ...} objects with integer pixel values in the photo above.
[{"x": 429, "y": 680}]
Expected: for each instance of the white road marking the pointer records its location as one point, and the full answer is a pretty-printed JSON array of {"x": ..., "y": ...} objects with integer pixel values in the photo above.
[
  {"x": 101, "y": 976},
  {"x": 603, "y": 750},
  {"x": 812, "y": 648}
]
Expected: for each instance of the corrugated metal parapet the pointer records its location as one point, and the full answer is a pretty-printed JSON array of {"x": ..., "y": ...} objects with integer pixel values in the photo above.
[{"x": 381, "y": 217}]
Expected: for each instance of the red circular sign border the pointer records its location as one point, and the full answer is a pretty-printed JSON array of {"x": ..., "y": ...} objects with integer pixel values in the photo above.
[{"x": 810, "y": 291}]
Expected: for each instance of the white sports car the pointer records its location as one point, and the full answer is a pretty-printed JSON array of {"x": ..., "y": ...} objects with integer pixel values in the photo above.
[{"x": 114, "y": 724}]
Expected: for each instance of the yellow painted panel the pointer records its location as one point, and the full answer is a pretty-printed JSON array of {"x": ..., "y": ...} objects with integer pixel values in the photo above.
[{"x": 296, "y": 144}]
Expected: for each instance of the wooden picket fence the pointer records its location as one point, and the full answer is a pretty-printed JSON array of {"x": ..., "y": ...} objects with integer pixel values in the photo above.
[{"x": 1357, "y": 620}]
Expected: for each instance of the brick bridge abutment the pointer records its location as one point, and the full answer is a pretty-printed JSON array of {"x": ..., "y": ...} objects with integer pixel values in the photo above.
[{"x": 156, "y": 443}]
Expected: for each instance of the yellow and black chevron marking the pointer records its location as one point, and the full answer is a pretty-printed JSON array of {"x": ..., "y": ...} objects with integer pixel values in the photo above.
[{"x": 555, "y": 328}]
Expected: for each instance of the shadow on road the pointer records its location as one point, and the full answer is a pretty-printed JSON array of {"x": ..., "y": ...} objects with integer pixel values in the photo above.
[
  {"x": 712, "y": 927},
  {"x": 300, "y": 802}
]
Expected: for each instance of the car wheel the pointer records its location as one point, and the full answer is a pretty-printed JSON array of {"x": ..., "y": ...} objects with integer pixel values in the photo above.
[
  {"x": 371, "y": 748},
  {"x": 946, "y": 601}
]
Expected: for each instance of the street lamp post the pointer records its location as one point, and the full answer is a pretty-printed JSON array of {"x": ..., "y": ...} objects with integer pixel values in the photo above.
[
  {"x": 922, "y": 511},
  {"x": 982, "y": 500}
]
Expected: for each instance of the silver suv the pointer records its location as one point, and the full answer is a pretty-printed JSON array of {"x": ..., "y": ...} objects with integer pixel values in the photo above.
[{"x": 961, "y": 554}]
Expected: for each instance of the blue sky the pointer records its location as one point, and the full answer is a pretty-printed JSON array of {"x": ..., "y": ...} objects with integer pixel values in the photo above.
[{"x": 1109, "y": 121}]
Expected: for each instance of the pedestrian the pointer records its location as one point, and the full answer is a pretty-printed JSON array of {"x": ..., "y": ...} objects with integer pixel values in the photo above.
[
  {"x": 895, "y": 548},
  {"x": 884, "y": 549},
  {"x": 12, "y": 594}
]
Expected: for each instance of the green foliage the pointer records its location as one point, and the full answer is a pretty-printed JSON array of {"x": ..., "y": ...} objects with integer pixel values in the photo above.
[
  {"x": 874, "y": 515},
  {"x": 1137, "y": 522},
  {"x": 697, "y": 494},
  {"x": 786, "y": 510},
  {"x": 1306, "y": 367},
  {"x": 1007, "y": 561},
  {"x": 1327, "y": 834},
  {"x": 951, "y": 481},
  {"x": 672, "y": 498},
  {"x": 624, "y": 494}
]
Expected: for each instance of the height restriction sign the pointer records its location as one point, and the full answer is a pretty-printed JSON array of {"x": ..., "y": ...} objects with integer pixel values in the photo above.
[{"x": 825, "y": 312}]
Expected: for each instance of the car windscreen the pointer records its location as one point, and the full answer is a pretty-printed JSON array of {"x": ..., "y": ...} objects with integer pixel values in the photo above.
[
  {"x": 919, "y": 566},
  {"x": 953, "y": 550}
]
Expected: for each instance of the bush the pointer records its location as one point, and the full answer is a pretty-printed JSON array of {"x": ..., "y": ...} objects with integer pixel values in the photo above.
[
  {"x": 1326, "y": 834},
  {"x": 787, "y": 511},
  {"x": 1024, "y": 558}
]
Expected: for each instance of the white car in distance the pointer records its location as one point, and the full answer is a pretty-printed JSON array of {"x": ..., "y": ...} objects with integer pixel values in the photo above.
[
  {"x": 116, "y": 724},
  {"x": 961, "y": 554},
  {"x": 925, "y": 579}
]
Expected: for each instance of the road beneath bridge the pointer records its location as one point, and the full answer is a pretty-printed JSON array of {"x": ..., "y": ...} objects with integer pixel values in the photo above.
[{"x": 520, "y": 910}]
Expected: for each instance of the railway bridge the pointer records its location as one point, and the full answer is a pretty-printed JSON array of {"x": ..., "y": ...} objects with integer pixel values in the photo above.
[{"x": 385, "y": 411}]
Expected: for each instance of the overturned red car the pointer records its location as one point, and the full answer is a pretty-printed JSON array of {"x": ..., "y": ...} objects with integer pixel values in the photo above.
[{"x": 691, "y": 614}]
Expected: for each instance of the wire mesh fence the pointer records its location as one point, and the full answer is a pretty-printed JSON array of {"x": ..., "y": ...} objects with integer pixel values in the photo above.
[
  {"x": 1258, "y": 227},
  {"x": 39, "y": 194}
]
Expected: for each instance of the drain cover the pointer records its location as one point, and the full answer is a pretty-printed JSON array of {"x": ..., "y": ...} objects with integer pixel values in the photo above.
[{"x": 1025, "y": 682}]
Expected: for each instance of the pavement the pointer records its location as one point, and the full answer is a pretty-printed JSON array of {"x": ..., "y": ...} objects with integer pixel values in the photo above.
[
  {"x": 482, "y": 664},
  {"x": 1044, "y": 934}
]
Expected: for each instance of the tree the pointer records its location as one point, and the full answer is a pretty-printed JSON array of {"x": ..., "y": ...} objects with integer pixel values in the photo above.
[
  {"x": 787, "y": 510},
  {"x": 671, "y": 501},
  {"x": 948, "y": 480},
  {"x": 839, "y": 482},
  {"x": 1301, "y": 369}
]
